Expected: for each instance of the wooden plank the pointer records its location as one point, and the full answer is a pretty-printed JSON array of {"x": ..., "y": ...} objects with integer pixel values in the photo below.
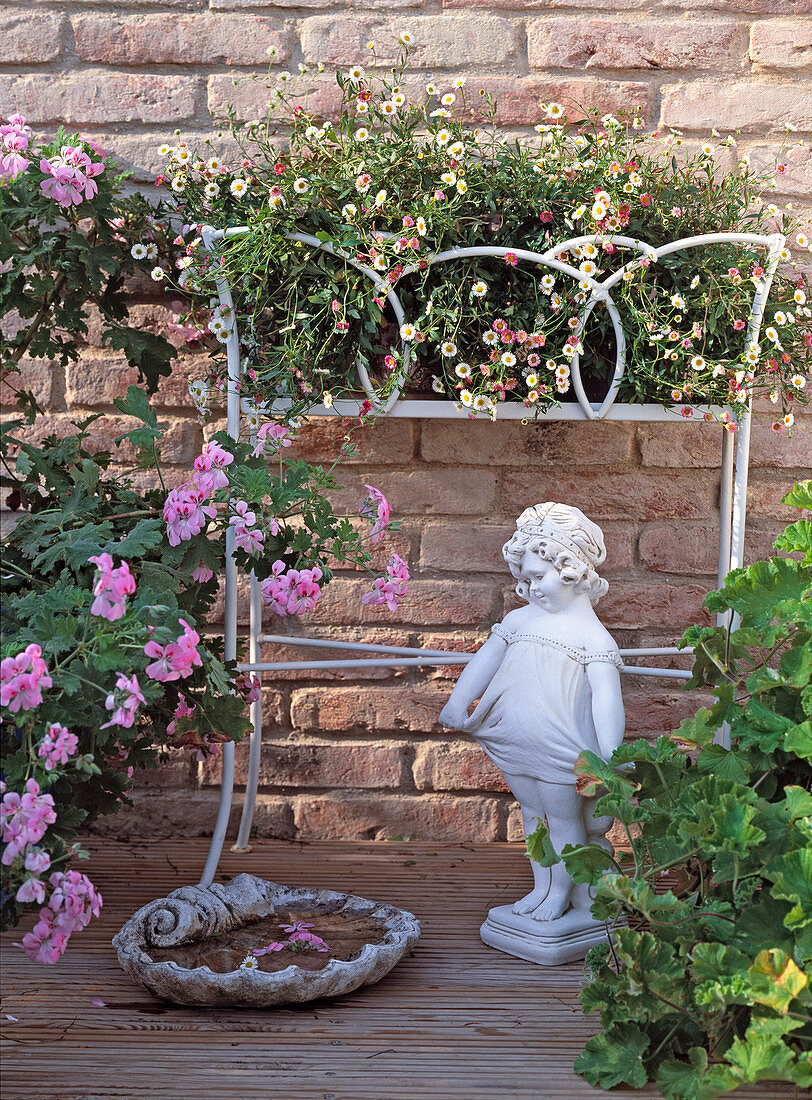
[{"x": 456, "y": 1020}]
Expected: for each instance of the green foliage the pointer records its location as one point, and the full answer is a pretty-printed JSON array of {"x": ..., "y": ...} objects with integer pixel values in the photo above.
[
  {"x": 74, "y": 511},
  {"x": 708, "y": 988},
  {"x": 57, "y": 264},
  {"x": 411, "y": 176}
]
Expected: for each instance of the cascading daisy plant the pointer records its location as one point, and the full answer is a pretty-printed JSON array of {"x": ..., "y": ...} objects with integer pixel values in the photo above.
[{"x": 404, "y": 171}]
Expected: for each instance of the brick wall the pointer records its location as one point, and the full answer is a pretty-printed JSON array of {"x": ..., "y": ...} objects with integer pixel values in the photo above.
[{"x": 362, "y": 756}]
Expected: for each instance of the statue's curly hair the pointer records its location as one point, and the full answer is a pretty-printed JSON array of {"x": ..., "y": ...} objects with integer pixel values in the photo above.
[{"x": 573, "y": 565}]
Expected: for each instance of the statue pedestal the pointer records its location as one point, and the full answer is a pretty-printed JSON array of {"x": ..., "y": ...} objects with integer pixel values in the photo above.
[{"x": 548, "y": 943}]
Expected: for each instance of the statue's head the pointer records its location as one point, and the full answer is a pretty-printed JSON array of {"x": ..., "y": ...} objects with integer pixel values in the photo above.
[{"x": 565, "y": 537}]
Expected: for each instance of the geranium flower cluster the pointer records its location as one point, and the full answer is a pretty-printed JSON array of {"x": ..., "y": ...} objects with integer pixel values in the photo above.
[
  {"x": 390, "y": 589},
  {"x": 16, "y": 139},
  {"x": 24, "y": 819},
  {"x": 292, "y": 591},
  {"x": 73, "y": 902},
  {"x": 376, "y": 507},
  {"x": 185, "y": 510},
  {"x": 247, "y": 536},
  {"x": 111, "y": 588},
  {"x": 124, "y": 701},
  {"x": 177, "y": 659},
  {"x": 22, "y": 679},
  {"x": 58, "y": 745}
]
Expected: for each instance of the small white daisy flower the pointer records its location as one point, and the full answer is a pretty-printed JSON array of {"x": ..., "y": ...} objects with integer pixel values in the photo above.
[{"x": 138, "y": 251}]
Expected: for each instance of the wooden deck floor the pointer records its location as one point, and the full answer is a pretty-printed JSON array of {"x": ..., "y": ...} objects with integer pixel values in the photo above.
[{"x": 455, "y": 1021}]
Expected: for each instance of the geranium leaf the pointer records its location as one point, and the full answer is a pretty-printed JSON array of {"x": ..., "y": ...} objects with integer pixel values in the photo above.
[{"x": 615, "y": 1058}]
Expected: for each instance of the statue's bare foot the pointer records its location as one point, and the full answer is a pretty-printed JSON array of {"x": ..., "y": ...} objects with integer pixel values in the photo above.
[
  {"x": 532, "y": 900},
  {"x": 554, "y": 905}
]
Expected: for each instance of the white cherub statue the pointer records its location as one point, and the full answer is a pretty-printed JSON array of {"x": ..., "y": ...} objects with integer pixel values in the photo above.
[{"x": 548, "y": 684}]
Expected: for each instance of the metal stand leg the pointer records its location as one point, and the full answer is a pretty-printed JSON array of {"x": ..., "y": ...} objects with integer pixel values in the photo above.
[
  {"x": 725, "y": 512},
  {"x": 230, "y": 614},
  {"x": 737, "y": 521},
  {"x": 227, "y": 783},
  {"x": 740, "y": 491},
  {"x": 244, "y": 835}
]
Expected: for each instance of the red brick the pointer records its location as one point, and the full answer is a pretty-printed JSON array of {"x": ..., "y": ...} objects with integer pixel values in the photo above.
[
  {"x": 35, "y": 375},
  {"x": 426, "y": 817},
  {"x": 519, "y": 99},
  {"x": 790, "y": 7},
  {"x": 692, "y": 549},
  {"x": 749, "y": 105},
  {"x": 654, "y": 715},
  {"x": 21, "y": 46},
  {"x": 151, "y": 317},
  {"x": 796, "y": 180},
  {"x": 374, "y": 710},
  {"x": 159, "y": 814},
  {"x": 138, "y": 152},
  {"x": 699, "y": 445},
  {"x": 443, "y": 767},
  {"x": 634, "y": 605},
  {"x": 764, "y": 499},
  {"x": 176, "y": 773},
  {"x": 464, "y": 548},
  {"x": 180, "y": 442},
  {"x": 507, "y": 443},
  {"x": 385, "y": 442},
  {"x": 179, "y": 39},
  {"x": 320, "y": 764},
  {"x": 428, "y": 603},
  {"x": 420, "y": 491},
  {"x": 444, "y": 41},
  {"x": 577, "y": 43},
  {"x": 100, "y": 376},
  {"x": 99, "y": 95},
  {"x": 189, "y": 5},
  {"x": 632, "y": 494},
  {"x": 97, "y": 378},
  {"x": 768, "y": 7},
  {"x": 781, "y": 44},
  {"x": 249, "y": 98},
  {"x": 231, "y": 5},
  {"x": 680, "y": 445}
]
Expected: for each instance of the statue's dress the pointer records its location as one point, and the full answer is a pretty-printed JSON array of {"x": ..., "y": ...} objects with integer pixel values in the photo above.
[{"x": 535, "y": 716}]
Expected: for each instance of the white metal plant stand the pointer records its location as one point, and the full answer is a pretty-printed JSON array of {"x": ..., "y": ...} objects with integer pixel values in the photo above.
[{"x": 734, "y": 470}]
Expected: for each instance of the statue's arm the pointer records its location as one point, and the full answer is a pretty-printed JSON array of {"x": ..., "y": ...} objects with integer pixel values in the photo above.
[
  {"x": 607, "y": 706},
  {"x": 475, "y": 677}
]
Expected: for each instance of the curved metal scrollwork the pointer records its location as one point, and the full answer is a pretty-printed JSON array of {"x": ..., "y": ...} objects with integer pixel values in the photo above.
[{"x": 600, "y": 291}]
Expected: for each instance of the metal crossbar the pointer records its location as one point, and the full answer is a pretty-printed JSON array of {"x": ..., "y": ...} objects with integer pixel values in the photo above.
[{"x": 733, "y": 488}]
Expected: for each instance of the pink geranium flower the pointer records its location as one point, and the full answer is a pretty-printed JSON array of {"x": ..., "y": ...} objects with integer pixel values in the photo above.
[
  {"x": 390, "y": 589},
  {"x": 111, "y": 588},
  {"x": 376, "y": 506}
]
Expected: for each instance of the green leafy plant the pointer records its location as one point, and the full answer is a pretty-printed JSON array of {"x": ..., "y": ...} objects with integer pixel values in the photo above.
[
  {"x": 404, "y": 171},
  {"x": 103, "y": 667},
  {"x": 63, "y": 251},
  {"x": 704, "y": 985}
]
